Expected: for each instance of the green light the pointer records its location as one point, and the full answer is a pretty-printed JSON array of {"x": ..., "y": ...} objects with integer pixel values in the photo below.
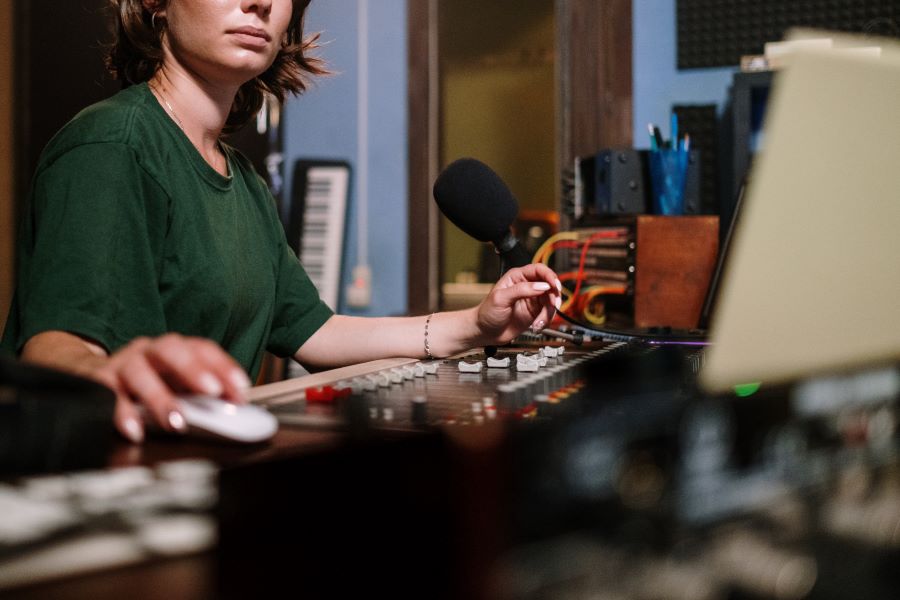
[{"x": 746, "y": 389}]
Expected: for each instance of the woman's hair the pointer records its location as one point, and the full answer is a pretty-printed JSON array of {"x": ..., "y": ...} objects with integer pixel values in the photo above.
[{"x": 136, "y": 53}]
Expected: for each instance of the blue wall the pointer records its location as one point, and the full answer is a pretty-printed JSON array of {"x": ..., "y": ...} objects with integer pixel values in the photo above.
[
  {"x": 658, "y": 84},
  {"x": 323, "y": 124}
]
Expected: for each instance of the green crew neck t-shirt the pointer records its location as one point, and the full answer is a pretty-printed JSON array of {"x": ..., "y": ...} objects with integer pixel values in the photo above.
[{"x": 129, "y": 233}]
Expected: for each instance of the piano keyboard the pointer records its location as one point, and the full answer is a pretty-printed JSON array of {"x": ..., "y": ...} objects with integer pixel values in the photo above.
[
  {"x": 316, "y": 228},
  {"x": 322, "y": 237}
]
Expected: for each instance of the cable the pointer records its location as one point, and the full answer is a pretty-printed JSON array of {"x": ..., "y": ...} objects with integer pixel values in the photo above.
[
  {"x": 590, "y": 294},
  {"x": 602, "y": 333},
  {"x": 581, "y": 301},
  {"x": 542, "y": 255},
  {"x": 576, "y": 299}
]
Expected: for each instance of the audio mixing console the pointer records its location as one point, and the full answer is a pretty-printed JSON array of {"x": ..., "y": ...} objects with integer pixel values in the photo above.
[{"x": 517, "y": 383}]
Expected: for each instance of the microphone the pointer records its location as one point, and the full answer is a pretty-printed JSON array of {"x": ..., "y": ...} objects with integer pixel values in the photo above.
[{"x": 476, "y": 200}]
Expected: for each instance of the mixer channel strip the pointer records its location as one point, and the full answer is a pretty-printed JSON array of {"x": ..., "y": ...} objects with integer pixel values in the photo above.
[{"x": 467, "y": 390}]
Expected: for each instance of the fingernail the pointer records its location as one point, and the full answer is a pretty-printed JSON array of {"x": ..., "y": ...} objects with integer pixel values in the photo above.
[
  {"x": 133, "y": 430},
  {"x": 177, "y": 421},
  {"x": 239, "y": 379},
  {"x": 558, "y": 302},
  {"x": 559, "y": 286},
  {"x": 209, "y": 384},
  {"x": 537, "y": 325},
  {"x": 542, "y": 286}
]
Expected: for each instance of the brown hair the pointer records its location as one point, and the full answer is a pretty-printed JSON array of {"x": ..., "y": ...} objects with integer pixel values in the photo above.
[{"x": 136, "y": 53}]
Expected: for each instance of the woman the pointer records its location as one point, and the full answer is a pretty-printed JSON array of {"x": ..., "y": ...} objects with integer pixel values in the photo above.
[{"x": 152, "y": 258}]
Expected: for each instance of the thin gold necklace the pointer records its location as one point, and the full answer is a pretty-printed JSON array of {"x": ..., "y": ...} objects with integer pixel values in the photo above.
[{"x": 172, "y": 112}]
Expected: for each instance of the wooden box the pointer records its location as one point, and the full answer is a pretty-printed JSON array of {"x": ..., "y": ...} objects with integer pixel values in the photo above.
[{"x": 674, "y": 261}]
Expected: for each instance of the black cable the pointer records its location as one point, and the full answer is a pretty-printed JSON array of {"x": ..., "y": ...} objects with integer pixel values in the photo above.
[{"x": 605, "y": 333}]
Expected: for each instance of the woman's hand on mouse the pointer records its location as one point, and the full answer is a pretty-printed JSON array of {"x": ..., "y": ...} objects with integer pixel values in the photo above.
[
  {"x": 147, "y": 373},
  {"x": 153, "y": 371}
]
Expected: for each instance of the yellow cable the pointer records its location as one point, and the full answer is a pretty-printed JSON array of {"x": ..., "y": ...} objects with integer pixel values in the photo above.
[
  {"x": 544, "y": 253},
  {"x": 539, "y": 256},
  {"x": 592, "y": 317},
  {"x": 591, "y": 293}
]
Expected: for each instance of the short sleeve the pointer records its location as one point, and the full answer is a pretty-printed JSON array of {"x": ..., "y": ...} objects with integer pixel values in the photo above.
[
  {"x": 299, "y": 312},
  {"x": 93, "y": 242}
]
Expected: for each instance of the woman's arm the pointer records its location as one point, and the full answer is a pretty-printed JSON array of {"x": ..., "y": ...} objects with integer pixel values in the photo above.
[
  {"x": 146, "y": 371},
  {"x": 524, "y": 297}
]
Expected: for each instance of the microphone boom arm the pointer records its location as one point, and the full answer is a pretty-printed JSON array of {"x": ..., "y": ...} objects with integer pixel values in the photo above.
[{"x": 511, "y": 253}]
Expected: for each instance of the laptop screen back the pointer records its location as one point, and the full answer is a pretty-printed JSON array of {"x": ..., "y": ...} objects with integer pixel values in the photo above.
[{"x": 813, "y": 281}]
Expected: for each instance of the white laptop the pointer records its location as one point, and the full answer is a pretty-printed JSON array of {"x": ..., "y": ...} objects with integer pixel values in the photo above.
[{"x": 813, "y": 280}]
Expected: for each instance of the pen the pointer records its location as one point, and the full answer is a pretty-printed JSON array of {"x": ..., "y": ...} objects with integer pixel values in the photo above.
[
  {"x": 673, "y": 130},
  {"x": 658, "y": 136}
]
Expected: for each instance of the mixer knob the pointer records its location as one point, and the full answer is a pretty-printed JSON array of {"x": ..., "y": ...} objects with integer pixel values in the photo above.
[
  {"x": 431, "y": 368},
  {"x": 544, "y": 407},
  {"x": 419, "y": 410},
  {"x": 498, "y": 363},
  {"x": 542, "y": 384},
  {"x": 506, "y": 396},
  {"x": 466, "y": 367},
  {"x": 381, "y": 379},
  {"x": 395, "y": 375}
]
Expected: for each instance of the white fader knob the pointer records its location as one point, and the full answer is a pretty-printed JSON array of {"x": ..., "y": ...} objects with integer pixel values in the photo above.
[{"x": 466, "y": 367}]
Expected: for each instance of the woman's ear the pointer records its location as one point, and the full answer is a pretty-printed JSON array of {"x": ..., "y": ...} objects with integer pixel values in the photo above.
[{"x": 154, "y": 6}]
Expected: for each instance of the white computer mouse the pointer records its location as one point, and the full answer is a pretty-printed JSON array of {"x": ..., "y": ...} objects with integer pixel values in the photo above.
[{"x": 217, "y": 418}]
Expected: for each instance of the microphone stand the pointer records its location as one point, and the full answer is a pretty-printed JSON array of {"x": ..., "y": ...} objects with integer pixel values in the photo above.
[{"x": 511, "y": 253}]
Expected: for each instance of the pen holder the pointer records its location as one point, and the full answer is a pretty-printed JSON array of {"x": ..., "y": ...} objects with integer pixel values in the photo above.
[{"x": 668, "y": 174}]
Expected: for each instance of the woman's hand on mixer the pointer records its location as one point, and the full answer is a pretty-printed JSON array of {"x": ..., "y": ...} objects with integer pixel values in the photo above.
[{"x": 524, "y": 297}]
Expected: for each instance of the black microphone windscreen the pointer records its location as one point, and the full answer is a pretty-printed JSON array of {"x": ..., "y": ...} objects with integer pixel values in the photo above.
[{"x": 475, "y": 199}]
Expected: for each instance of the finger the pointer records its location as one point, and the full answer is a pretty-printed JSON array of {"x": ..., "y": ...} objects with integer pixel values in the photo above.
[
  {"x": 128, "y": 420},
  {"x": 526, "y": 289},
  {"x": 554, "y": 301},
  {"x": 543, "y": 310},
  {"x": 227, "y": 370},
  {"x": 198, "y": 366},
  {"x": 537, "y": 272},
  {"x": 177, "y": 361},
  {"x": 144, "y": 384},
  {"x": 548, "y": 311}
]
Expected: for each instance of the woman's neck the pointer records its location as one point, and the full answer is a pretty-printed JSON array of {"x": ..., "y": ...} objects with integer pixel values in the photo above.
[{"x": 198, "y": 108}]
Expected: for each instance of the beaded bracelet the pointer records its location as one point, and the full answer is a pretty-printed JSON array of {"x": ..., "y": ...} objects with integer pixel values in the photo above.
[{"x": 427, "y": 347}]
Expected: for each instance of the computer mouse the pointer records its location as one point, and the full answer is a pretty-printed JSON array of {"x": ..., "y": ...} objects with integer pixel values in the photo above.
[{"x": 216, "y": 418}]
